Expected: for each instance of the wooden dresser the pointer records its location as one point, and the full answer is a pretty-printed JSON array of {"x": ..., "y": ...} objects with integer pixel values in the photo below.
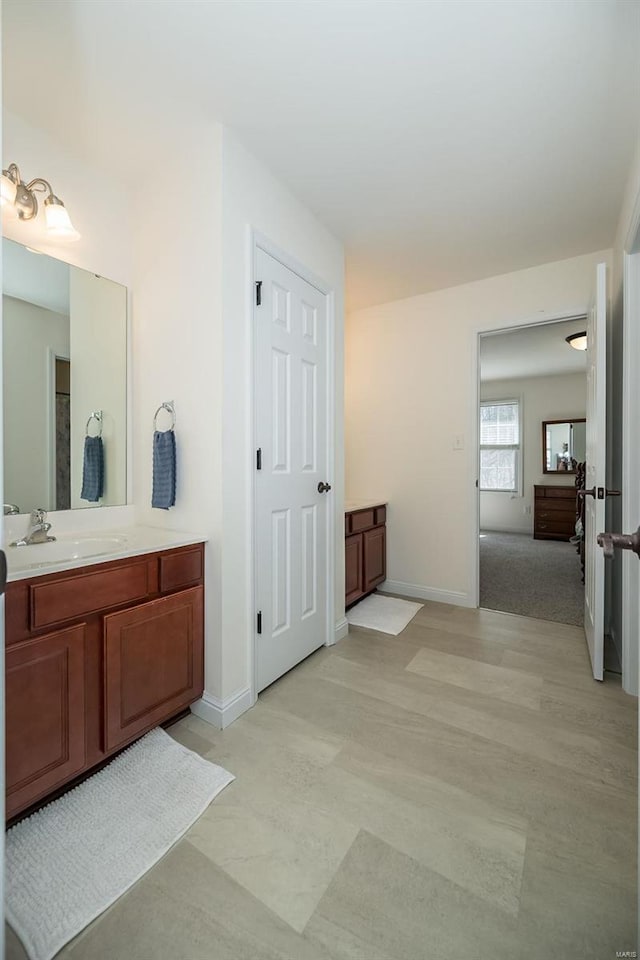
[
  {"x": 554, "y": 512},
  {"x": 365, "y": 550}
]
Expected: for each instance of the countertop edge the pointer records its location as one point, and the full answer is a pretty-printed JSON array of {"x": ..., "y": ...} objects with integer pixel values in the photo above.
[
  {"x": 171, "y": 543},
  {"x": 352, "y": 506}
]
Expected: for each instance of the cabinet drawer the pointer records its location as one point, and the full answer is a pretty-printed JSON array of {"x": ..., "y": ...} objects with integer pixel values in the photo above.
[
  {"x": 45, "y": 715},
  {"x": 181, "y": 569},
  {"x": 59, "y": 600},
  {"x": 154, "y": 663},
  {"x": 362, "y": 520},
  {"x": 381, "y": 515}
]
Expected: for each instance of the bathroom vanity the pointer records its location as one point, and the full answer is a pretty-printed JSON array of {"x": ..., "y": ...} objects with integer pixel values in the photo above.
[
  {"x": 365, "y": 547},
  {"x": 96, "y": 655}
]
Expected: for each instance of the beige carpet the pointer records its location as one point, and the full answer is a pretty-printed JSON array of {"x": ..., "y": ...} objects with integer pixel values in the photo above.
[{"x": 533, "y": 578}]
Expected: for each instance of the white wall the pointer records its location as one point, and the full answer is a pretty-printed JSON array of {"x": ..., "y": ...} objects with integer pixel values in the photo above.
[
  {"x": 253, "y": 197},
  {"x": 558, "y": 397},
  {"x": 100, "y": 209},
  {"x": 29, "y": 333},
  {"x": 98, "y": 336},
  {"x": 177, "y": 349},
  {"x": 410, "y": 381}
]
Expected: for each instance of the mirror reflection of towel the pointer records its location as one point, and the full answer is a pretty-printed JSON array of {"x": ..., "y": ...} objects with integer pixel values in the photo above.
[
  {"x": 164, "y": 469},
  {"x": 92, "y": 469}
]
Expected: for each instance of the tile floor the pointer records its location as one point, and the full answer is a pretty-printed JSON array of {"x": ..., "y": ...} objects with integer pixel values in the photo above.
[{"x": 463, "y": 790}]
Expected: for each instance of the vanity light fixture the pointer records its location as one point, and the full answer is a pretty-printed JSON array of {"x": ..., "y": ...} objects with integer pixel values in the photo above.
[
  {"x": 578, "y": 340},
  {"x": 18, "y": 199}
]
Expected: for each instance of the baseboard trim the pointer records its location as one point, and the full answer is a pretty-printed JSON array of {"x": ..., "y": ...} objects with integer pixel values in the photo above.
[
  {"x": 221, "y": 713},
  {"x": 421, "y": 592},
  {"x": 340, "y": 631},
  {"x": 526, "y": 533}
]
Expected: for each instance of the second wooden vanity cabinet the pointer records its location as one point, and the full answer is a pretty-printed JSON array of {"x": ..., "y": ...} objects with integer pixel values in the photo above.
[
  {"x": 95, "y": 657},
  {"x": 365, "y": 551}
]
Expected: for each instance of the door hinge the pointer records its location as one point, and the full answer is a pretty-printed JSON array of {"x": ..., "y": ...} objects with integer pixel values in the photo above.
[
  {"x": 259, "y": 622},
  {"x": 259, "y": 458},
  {"x": 258, "y": 292}
]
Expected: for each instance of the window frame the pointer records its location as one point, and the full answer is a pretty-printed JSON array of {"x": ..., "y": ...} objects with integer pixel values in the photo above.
[{"x": 517, "y": 447}]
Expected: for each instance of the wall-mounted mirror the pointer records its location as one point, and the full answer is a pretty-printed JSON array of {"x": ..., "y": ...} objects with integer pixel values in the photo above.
[
  {"x": 563, "y": 445},
  {"x": 64, "y": 358}
]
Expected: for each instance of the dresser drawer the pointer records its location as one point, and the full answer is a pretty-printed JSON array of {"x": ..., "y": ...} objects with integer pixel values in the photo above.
[
  {"x": 555, "y": 493},
  {"x": 560, "y": 507},
  {"x": 554, "y": 526}
]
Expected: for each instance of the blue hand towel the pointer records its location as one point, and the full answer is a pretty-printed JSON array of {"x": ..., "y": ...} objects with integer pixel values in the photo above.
[
  {"x": 164, "y": 469},
  {"x": 92, "y": 469}
]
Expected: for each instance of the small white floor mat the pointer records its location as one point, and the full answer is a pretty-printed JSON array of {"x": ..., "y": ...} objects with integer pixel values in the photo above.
[
  {"x": 386, "y": 614},
  {"x": 71, "y": 860}
]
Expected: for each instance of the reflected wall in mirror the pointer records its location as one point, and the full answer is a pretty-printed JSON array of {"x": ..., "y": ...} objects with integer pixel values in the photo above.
[
  {"x": 564, "y": 444},
  {"x": 64, "y": 357}
]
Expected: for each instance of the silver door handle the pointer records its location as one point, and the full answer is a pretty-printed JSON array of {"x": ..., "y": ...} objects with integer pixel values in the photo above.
[{"x": 621, "y": 541}]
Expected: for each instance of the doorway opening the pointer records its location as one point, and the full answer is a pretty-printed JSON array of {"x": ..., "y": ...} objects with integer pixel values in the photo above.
[{"x": 532, "y": 450}]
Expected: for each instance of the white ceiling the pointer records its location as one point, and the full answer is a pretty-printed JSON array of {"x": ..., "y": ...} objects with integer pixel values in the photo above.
[
  {"x": 443, "y": 141},
  {"x": 537, "y": 351}
]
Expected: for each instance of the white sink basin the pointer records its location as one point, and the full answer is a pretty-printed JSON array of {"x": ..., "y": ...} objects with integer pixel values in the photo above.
[{"x": 63, "y": 551}]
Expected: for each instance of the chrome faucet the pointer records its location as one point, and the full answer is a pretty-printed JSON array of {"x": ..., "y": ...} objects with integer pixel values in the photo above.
[
  {"x": 38, "y": 530},
  {"x": 11, "y": 509}
]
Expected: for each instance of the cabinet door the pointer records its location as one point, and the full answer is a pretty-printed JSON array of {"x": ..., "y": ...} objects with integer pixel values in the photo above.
[
  {"x": 353, "y": 568},
  {"x": 154, "y": 663},
  {"x": 45, "y": 715},
  {"x": 375, "y": 557}
]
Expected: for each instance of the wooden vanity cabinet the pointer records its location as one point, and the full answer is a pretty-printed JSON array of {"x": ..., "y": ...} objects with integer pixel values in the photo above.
[
  {"x": 153, "y": 663},
  {"x": 365, "y": 551},
  {"x": 45, "y": 715},
  {"x": 95, "y": 658}
]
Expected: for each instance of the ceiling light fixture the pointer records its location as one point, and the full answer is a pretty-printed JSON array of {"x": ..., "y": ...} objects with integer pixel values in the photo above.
[
  {"x": 18, "y": 198},
  {"x": 578, "y": 340}
]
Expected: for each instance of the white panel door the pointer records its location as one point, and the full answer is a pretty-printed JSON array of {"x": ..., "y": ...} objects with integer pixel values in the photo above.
[
  {"x": 291, "y": 432},
  {"x": 595, "y": 479}
]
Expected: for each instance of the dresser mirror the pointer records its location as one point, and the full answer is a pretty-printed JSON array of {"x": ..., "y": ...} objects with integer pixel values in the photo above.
[
  {"x": 563, "y": 445},
  {"x": 65, "y": 377}
]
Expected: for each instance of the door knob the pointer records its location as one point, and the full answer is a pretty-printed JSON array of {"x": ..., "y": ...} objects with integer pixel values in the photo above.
[
  {"x": 587, "y": 493},
  {"x": 324, "y": 487},
  {"x": 621, "y": 541}
]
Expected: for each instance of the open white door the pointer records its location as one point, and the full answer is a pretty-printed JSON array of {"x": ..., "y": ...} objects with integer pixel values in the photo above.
[
  {"x": 292, "y": 505},
  {"x": 595, "y": 480}
]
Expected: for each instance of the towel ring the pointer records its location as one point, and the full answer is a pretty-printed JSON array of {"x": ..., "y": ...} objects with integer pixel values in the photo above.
[
  {"x": 168, "y": 405},
  {"x": 96, "y": 415}
]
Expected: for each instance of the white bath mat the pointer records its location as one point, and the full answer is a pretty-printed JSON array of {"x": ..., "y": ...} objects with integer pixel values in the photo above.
[
  {"x": 386, "y": 614},
  {"x": 71, "y": 860}
]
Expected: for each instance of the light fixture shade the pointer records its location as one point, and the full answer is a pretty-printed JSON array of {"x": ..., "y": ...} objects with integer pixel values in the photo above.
[
  {"x": 578, "y": 340},
  {"x": 7, "y": 190},
  {"x": 58, "y": 220}
]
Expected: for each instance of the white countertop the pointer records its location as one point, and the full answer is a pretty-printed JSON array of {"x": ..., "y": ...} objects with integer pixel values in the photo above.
[
  {"x": 351, "y": 505},
  {"x": 70, "y": 551}
]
